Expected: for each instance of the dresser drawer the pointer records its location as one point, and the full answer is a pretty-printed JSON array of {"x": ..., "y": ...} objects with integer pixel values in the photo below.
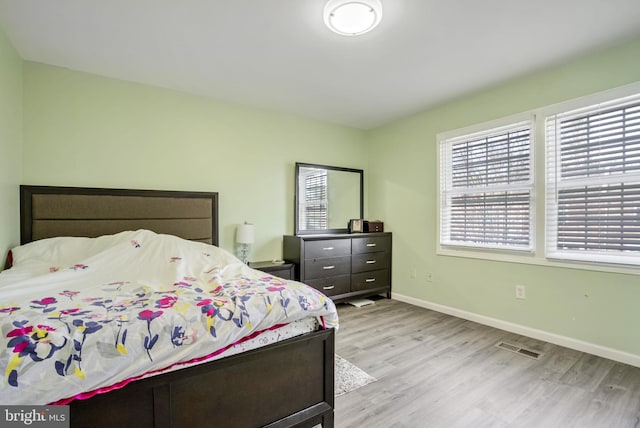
[
  {"x": 373, "y": 279},
  {"x": 333, "y": 285},
  {"x": 322, "y": 268},
  {"x": 371, "y": 244},
  {"x": 367, "y": 262},
  {"x": 327, "y": 248}
]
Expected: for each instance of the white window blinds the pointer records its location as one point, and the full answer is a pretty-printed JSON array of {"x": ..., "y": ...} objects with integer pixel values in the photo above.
[
  {"x": 486, "y": 189},
  {"x": 314, "y": 215},
  {"x": 593, "y": 183}
]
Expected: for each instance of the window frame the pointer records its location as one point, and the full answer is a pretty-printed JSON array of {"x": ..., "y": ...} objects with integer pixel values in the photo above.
[
  {"x": 537, "y": 256},
  {"x": 485, "y": 130},
  {"x": 556, "y": 183},
  {"x": 321, "y": 175}
]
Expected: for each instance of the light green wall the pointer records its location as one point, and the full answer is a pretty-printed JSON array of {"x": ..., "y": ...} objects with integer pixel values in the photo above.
[
  {"x": 10, "y": 145},
  {"x": 600, "y": 308},
  {"x": 84, "y": 130}
]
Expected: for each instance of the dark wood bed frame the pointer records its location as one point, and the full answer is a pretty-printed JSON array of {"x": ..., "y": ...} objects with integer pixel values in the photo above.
[{"x": 286, "y": 384}]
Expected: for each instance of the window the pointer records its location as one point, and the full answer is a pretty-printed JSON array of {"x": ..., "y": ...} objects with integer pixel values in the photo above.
[
  {"x": 486, "y": 189},
  {"x": 586, "y": 183},
  {"x": 314, "y": 214},
  {"x": 593, "y": 183}
]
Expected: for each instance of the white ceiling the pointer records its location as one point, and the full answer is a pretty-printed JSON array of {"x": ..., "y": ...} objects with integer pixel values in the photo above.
[{"x": 278, "y": 55}]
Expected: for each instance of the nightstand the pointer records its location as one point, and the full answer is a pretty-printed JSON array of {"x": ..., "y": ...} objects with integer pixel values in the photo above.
[{"x": 282, "y": 270}]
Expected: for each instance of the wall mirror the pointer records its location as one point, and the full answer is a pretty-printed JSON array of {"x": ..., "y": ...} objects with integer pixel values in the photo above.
[{"x": 326, "y": 198}]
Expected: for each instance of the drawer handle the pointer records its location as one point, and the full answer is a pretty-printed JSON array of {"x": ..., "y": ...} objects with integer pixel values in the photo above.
[
  {"x": 370, "y": 280},
  {"x": 329, "y": 287},
  {"x": 371, "y": 245},
  {"x": 328, "y": 267},
  {"x": 370, "y": 262},
  {"x": 328, "y": 248}
]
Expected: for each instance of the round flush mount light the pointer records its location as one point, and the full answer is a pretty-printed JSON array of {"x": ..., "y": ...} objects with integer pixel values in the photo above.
[{"x": 352, "y": 17}]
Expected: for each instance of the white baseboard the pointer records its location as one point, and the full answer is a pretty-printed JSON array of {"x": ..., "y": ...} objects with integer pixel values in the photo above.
[{"x": 568, "y": 342}]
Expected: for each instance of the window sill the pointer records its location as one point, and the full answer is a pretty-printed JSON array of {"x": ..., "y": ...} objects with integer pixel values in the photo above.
[{"x": 532, "y": 259}]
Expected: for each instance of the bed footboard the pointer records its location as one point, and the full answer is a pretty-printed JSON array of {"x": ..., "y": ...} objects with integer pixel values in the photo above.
[{"x": 286, "y": 384}]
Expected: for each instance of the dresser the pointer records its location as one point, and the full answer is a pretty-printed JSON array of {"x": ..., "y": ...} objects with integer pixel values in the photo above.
[{"x": 342, "y": 265}]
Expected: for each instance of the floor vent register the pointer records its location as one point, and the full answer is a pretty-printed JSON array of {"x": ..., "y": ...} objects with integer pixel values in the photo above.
[{"x": 519, "y": 350}]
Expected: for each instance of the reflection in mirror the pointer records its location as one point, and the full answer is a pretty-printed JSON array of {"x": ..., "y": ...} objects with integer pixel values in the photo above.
[{"x": 327, "y": 198}]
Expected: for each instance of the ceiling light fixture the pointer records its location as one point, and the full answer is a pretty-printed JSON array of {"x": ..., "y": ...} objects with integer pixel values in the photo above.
[{"x": 352, "y": 17}]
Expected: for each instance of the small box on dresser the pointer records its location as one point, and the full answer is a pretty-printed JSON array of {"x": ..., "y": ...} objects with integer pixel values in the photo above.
[
  {"x": 373, "y": 226},
  {"x": 342, "y": 265}
]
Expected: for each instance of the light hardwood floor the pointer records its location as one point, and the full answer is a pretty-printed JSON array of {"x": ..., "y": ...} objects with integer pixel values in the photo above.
[{"x": 435, "y": 370}]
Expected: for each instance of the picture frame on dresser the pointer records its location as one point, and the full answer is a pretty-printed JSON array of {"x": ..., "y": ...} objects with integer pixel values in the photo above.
[
  {"x": 342, "y": 266},
  {"x": 356, "y": 225}
]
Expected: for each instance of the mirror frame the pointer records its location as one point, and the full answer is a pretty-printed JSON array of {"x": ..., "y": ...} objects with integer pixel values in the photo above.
[{"x": 296, "y": 214}]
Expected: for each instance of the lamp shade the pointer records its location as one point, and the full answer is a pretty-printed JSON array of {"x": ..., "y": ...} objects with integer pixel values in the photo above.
[{"x": 245, "y": 234}]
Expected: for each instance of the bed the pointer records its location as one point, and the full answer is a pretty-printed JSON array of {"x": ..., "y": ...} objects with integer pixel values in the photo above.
[{"x": 283, "y": 384}]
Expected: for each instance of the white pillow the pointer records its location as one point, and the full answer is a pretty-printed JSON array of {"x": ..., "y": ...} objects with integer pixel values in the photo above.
[{"x": 67, "y": 250}]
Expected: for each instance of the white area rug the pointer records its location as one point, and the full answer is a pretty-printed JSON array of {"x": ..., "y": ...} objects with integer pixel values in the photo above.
[{"x": 349, "y": 377}]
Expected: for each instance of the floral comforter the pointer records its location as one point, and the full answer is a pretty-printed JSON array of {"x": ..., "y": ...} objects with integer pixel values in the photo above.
[{"x": 78, "y": 314}]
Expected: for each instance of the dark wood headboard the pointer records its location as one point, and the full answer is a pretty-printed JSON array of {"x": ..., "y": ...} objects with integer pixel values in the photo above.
[{"x": 47, "y": 212}]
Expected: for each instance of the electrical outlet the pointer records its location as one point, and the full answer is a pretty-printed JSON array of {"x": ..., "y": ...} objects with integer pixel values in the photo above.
[
  {"x": 429, "y": 277},
  {"x": 521, "y": 292},
  {"x": 414, "y": 273}
]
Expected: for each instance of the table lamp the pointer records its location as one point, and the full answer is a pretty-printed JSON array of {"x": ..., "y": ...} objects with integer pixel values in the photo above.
[{"x": 244, "y": 238}]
